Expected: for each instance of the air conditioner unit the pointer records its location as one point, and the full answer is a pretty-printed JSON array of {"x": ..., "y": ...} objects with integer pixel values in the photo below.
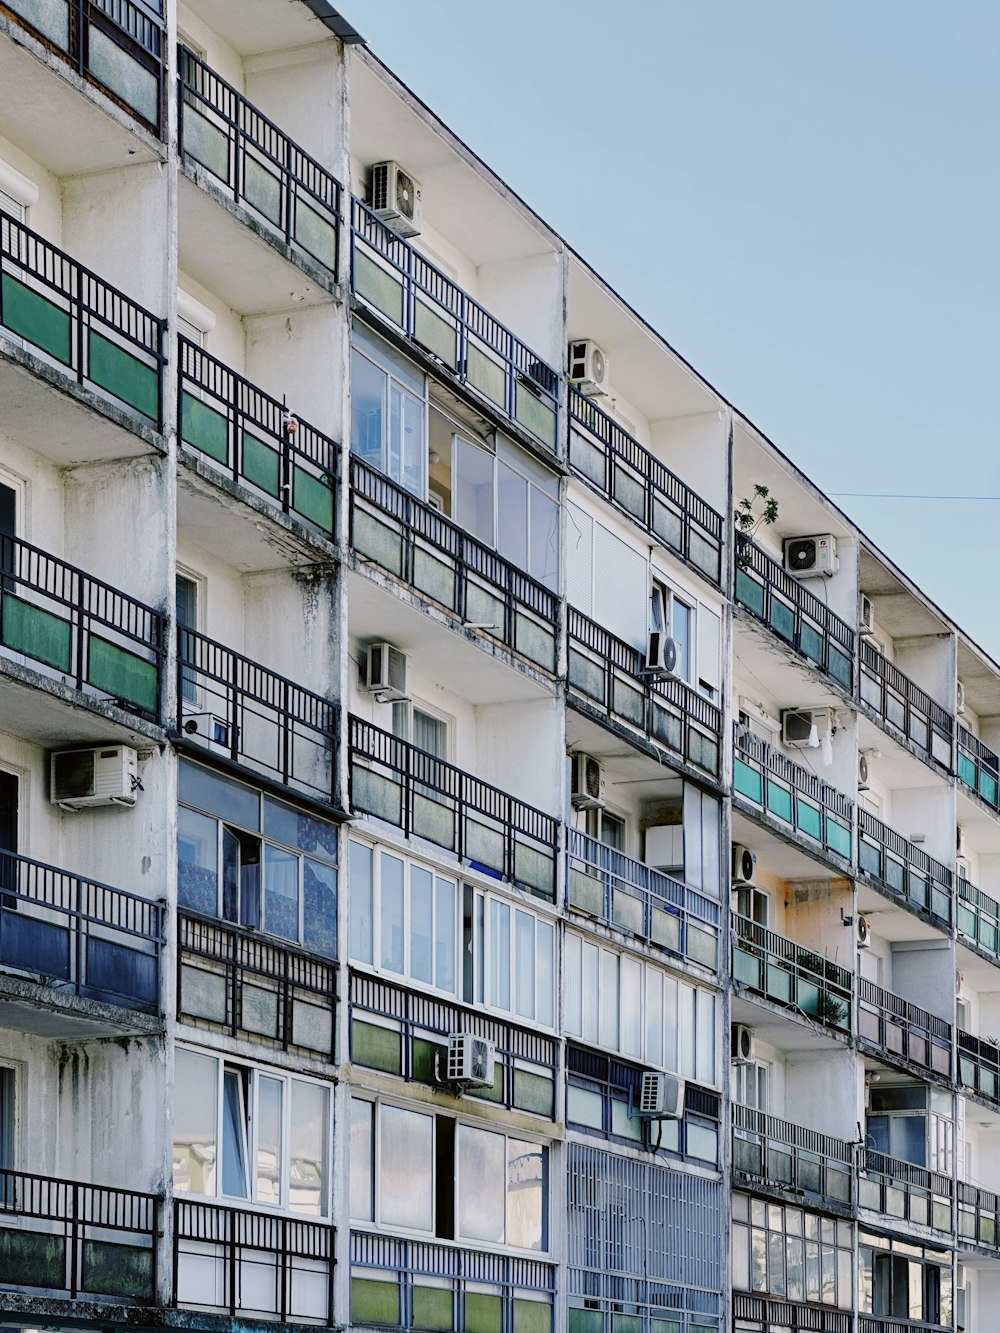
[
  {"x": 961, "y": 845},
  {"x": 866, "y": 616},
  {"x": 588, "y": 783},
  {"x": 864, "y": 932},
  {"x": 863, "y": 772},
  {"x": 742, "y": 1044},
  {"x": 471, "y": 1060},
  {"x": 743, "y": 864},
  {"x": 661, "y": 1096},
  {"x": 387, "y": 673},
  {"x": 79, "y": 779},
  {"x": 804, "y": 728},
  {"x": 208, "y": 730},
  {"x": 662, "y": 654},
  {"x": 959, "y": 698},
  {"x": 396, "y": 198},
  {"x": 588, "y": 368},
  {"x": 809, "y": 557}
]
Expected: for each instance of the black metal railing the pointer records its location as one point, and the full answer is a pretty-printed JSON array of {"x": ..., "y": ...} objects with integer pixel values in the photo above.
[
  {"x": 777, "y": 1314},
  {"x": 394, "y": 279},
  {"x": 899, "y": 1189},
  {"x": 902, "y": 1030},
  {"x": 904, "y": 708},
  {"x": 877, "y": 1324},
  {"x": 978, "y": 1213},
  {"x": 76, "y": 320},
  {"x": 978, "y": 768},
  {"x": 525, "y": 1058},
  {"x": 406, "y": 537},
  {"x": 624, "y": 892},
  {"x": 419, "y": 1284},
  {"x": 255, "y": 439},
  {"x": 790, "y": 974},
  {"x": 258, "y": 164},
  {"x": 769, "y": 781},
  {"x": 232, "y": 706},
  {"x": 116, "y": 44},
  {"x": 977, "y": 917},
  {"x": 274, "y": 1266},
  {"x": 790, "y": 1156},
  {"x": 635, "y": 480},
  {"x": 74, "y": 1239},
  {"x": 256, "y": 988},
  {"x": 431, "y": 799},
  {"x": 905, "y": 870},
  {"x": 979, "y": 1066},
  {"x": 611, "y": 675},
  {"x": 88, "y": 634},
  {"x": 80, "y": 936},
  {"x": 785, "y": 605}
]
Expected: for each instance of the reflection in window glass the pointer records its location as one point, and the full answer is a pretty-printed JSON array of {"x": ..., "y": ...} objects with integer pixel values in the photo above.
[
  {"x": 362, "y": 1161},
  {"x": 269, "y": 1092},
  {"x": 512, "y": 507},
  {"x": 195, "y": 1115},
  {"x": 234, "y": 1135},
  {"x": 391, "y": 868},
  {"x": 544, "y": 562},
  {"x": 421, "y": 924},
  {"x": 444, "y": 935},
  {"x": 499, "y": 955},
  {"x": 526, "y": 1187},
  {"x": 281, "y": 893},
  {"x": 481, "y": 1170},
  {"x": 406, "y": 1169},
  {"x": 360, "y": 872},
  {"x": 473, "y": 493},
  {"x": 310, "y": 1114},
  {"x": 197, "y": 862},
  {"x": 525, "y": 928},
  {"x": 368, "y": 385}
]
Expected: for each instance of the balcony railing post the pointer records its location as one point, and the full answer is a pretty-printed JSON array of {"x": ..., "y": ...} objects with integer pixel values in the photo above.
[
  {"x": 74, "y": 1240},
  {"x": 78, "y": 930}
]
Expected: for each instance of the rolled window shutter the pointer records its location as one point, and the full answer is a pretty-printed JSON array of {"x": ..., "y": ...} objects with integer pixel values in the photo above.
[{"x": 709, "y": 666}]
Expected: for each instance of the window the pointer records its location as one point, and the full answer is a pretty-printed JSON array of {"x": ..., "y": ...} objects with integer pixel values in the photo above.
[
  {"x": 509, "y": 958},
  {"x": 244, "y": 1133},
  {"x": 899, "y": 1126},
  {"x": 414, "y": 1171},
  {"x": 789, "y": 1252},
  {"x": 389, "y": 413},
  {"x": 750, "y": 1086},
  {"x": 674, "y": 617},
  {"x": 8, "y": 1117},
  {"x": 607, "y": 827},
  {"x": 8, "y": 813},
  {"x": 422, "y": 728},
  {"x": 253, "y": 860},
  {"x": 188, "y": 606},
  {"x": 900, "y": 1280},
  {"x": 754, "y": 904},
  {"x": 624, "y": 1004}
]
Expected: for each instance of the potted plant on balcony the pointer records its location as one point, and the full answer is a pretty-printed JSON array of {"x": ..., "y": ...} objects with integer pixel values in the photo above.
[{"x": 750, "y": 515}]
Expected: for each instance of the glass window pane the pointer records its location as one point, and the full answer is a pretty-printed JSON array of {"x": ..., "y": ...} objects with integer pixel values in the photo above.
[
  {"x": 406, "y": 1169},
  {"x": 669, "y": 1023},
  {"x": 307, "y": 1166},
  {"x": 525, "y": 936},
  {"x": 414, "y": 445},
  {"x": 196, "y": 1110},
  {"x": 705, "y": 1054},
  {"x": 197, "y": 862},
  {"x": 473, "y": 503},
  {"x": 512, "y": 516},
  {"x": 368, "y": 389},
  {"x": 499, "y": 955},
  {"x": 686, "y": 1030},
  {"x": 429, "y": 733},
  {"x": 573, "y": 967},
  {"x": 230, "y": 800},
  {"x": 680, "y": 629},
  {"x": 481, "y": 1176},
  {"x": 362, "y": 1161},
  {"x": 360, "y": 889},
  {"x": 590, "y": 990},
  {"x": 268, "y": 1186},
  {"x": 319, "y": 907},
  {"x": 421, "y": 924},
  {"x": 281, "y": 893},
  {"x": 631, "y": 991},
  {"x": 543, "y": 562},
  {"x": 234, "y": 1135},
  {"x": 526, "y": 1195},
  {"x": 545, "y": 939},
  {"x": 654, "y": 1017},
  {"x": 391, "y": 906},
  {"x": 608, "y": 1017},
  {"x": 445, "y": 909},
  {"x": 295, "y": 829}
]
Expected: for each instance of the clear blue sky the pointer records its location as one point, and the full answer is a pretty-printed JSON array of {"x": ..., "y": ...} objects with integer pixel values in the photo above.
[{"x": 801, "y": 195}]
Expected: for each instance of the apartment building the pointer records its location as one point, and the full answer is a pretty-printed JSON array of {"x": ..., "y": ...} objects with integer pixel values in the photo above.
[{"x": 453, "y": 876}]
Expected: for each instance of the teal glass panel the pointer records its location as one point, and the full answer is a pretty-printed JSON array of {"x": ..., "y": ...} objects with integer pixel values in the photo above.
[
  {"x": 36, "y": 633},
  {"x": 261, "y": 465},
  {"x": 204, "y": 428},
  {"x": 748, "y": 782},
  {"x": 121, "y": 674},
  {"x": 782, "y": 619},
  {"x": 838, "y": 837},
  {"x": 124, "y": 375},
  {"x": 750, "y": 593},
  {"x": 809, "y": 818},
  {"x": 779, "y": 801},
  {"x": 967, "y": 769},
  {"x": 811, "y": 643},
  {"x": 32, "y": 317},
  {"x": 312, "y": 497},
  {"x": 841, "y": 667},
  {"x": 987, "y": 786}
]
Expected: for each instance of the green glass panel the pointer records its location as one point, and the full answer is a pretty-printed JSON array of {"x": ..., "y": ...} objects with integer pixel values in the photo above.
[
  {"x": 667, "y": 1326},
  {"x": 779, "y": 984},
  {"x": 494, "y": 1094},
  {"x": 750, "y": 593},
  {"x": 316, "y": 234},
  {"x": 585, "y": 891},
  {"x": 121, "y": 674},
  {"x": 117, "y": 1270},
  {"x": 312, "y": 497},
  {"x": 485, "y": 375},
  {"x": 375, "y": 1302},
  {"x": 586, "y": 1321},
  {"x": 204, "y": 428},
  {"x": 28, "y": 1259},
  {"x": 586, "y": 675},
  {"x": 205, "y": 142},
  {"x": 627, "y": 1323},
  {"x": 483, "y": 1312},
  {"x": 426, "y": 1056},
  {"x": 377, "y": 541},
  {"x": 536, "y": 415},
  {"x": 261, "y": 465},
  {"x": 435, "y": 333},
  {"x": 533, "y": 641},
  {"x": 967, "y": 770},
  {"x": 841, "y": 667},
  {"x": 35, "y": 319},
  {"x": 782, "y": 619},
  {"x": 809, "y": 818},
  {"x": 534, "y": 869},
  {"x": 432, "y": 1308},
  {"x": 124, "y": 375},
  {"x": 35, "y": 632},
  {"x": 532, "y": 1317},
  {"x": 746, "y": 967},
  {"x": 376, "y": 1047},
  {"x": 374, "y": 794},
  {"x": 811, "y": 643},
  {"x": 779, "y": 801},
  {"x": 628, "y": 702},
  {"x": 378, "y": 287},
  {"x": 987, "y": 787},
  {"x": 838, "y": 837},
  {"x": 534, "y": 1092},
  {"x": 629, "y": 492},
  {"x": 748, "y": 782},
  {"x": 262, "y": 189}
]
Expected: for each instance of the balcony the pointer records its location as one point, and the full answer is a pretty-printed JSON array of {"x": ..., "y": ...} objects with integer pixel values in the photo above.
[
  {"x": 610, "y": 676},
  {"x": 904, "y": 710},
  {"x": 410, "y": 1035},
  {"x": 799, "y": 619},
  {"x": 255, "y": 1265},
  {"x": 77, "y": 1241},
  {"x": 978, "y": 768},
  {"x": 794, "y": 798},
  {"x": 791, "y": 975},
  {"x": 978, "y": 1211},
  {"x": 397, "y": 283},
  {"x": 640, "y": 900},
  {"x": 78, "y": 631},
  {"x": 791, "y": 1157},
  {"x": 416, "y": 1284},
  {"x": 232, "y": 707},
  {"x": 255, "y": 988},
  {"x": 901, "y": 1031},
  {"x": 117, "y": 45},
  {"x": 427, "y": 798},
  {"x": 901, "y": 1190},
  {"x": 977, "y": 917},
  {"x": 874, "y": 1324},
  {"x": 439, "y": 560},
  {"x": 78, "y": 937},
  {"x": 771, "y": 1314},
  {"x": 287, "y": 193},
  {"x": 72, "y": 330},
  {"x": 633, "y": 479},
  {"x": 903, "y": 869},
  {"x": 251, "y": 439},
  {"x": 979, "y": 1066}
]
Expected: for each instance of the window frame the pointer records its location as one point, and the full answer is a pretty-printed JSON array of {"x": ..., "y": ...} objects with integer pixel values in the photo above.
[
  {"x": 366, "y": 349},
  {"x": 481, "y": 988}
]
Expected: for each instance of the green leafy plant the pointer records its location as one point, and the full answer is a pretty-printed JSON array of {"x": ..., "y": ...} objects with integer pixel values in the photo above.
[{"x": 755, "y": 512}]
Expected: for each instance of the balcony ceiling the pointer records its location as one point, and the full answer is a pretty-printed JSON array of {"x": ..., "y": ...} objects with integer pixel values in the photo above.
[
  {"x": 896, "y": 607},
  {"x": 253, "y": 27},
  {"x": 784, "y": 859},
  {"x": 890, "y": 921},
  {"x": 766, "y": 665},
  {"x": 979, "y": 976},
  {"x": 801, "y": 508},
  {"x": 981, "y": 825},
  {"x": 981, "y": 680},
  {"x": 630, "y": 774},
  {"x": 895, "y": 766},
  {"x": 780, "y": 1029},
  {"x": 47, "y": 714}
]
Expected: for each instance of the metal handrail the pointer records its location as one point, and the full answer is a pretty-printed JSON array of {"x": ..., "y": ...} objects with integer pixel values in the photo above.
[
  {"x": 904, "y": 706},
  {"x": 977, "y": 916},
  {"x": 791, "y": 974},
  {"x": 903, "y": 868},
  {"x": 978, "y": 767}
]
